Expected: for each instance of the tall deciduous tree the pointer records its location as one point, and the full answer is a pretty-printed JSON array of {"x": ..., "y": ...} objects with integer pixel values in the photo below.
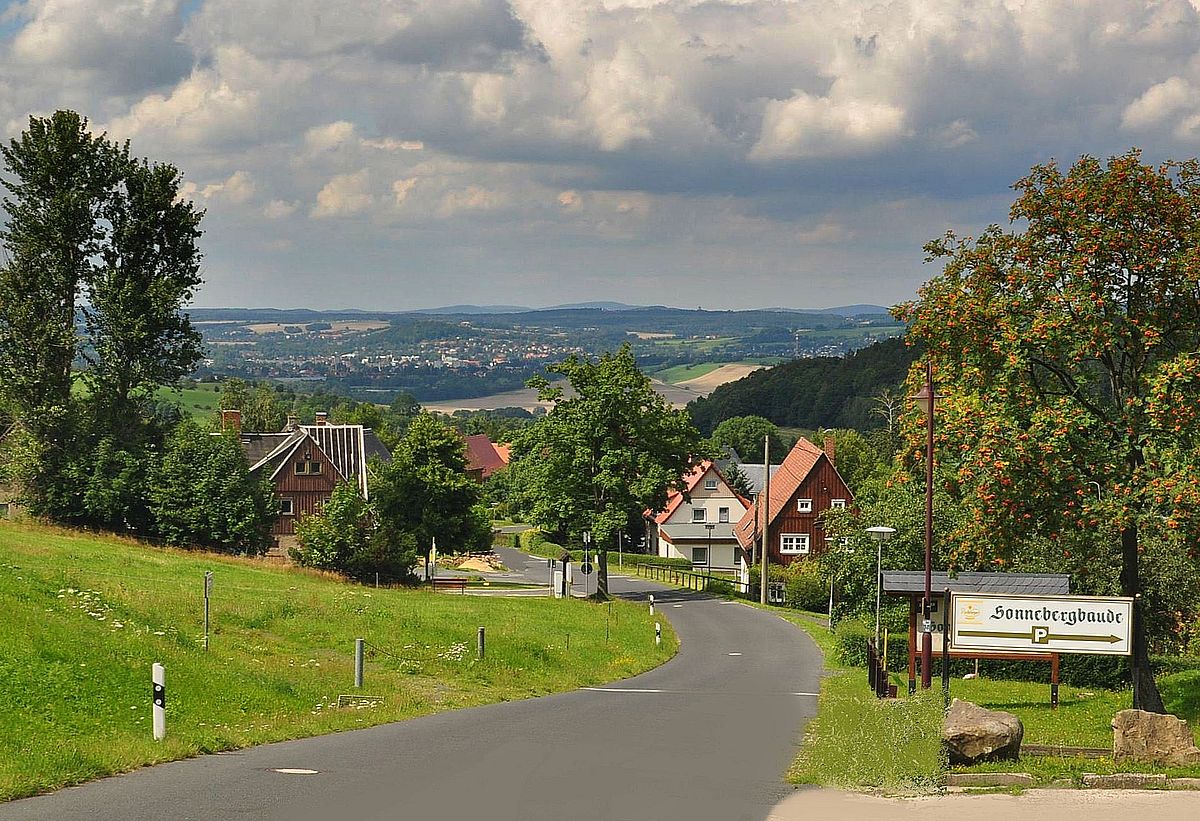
[
  {"x": 91, "y": 232},
  {"x": 425, "y": 491},
  {"x": 57, "y": 175},
  {"x": 604, "y": 453},
  {"x": 745, "y": 434},
  {"x": 1066, "y": 352}
]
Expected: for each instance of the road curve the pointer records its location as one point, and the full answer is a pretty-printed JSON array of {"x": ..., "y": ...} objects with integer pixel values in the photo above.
[{"x": 706, "y": 736}]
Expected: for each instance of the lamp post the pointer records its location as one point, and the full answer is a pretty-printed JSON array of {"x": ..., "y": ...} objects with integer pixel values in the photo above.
[
  {"x": 926, "y": 401},
  {"x": 708, "y": 553},
  {"x": 880, "y": 535}
]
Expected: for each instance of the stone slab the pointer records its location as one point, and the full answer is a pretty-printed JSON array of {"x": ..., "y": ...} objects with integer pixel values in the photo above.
[
  {"x": 989, "y": 780},
  {"x": 1125, "y": 781}
]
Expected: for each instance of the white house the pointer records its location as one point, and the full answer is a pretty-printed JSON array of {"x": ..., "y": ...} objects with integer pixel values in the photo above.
[{"x": 697, "y": 523}]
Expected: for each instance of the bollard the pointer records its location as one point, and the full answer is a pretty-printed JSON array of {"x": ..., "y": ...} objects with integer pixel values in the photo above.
[
  {"x": 657, "y": 633},
  {"x": 479, "y": 645},
  {"x": 651, "y": 604},
  {"x": 158, "y": 675},
  {"x": 358, "y": 662}
]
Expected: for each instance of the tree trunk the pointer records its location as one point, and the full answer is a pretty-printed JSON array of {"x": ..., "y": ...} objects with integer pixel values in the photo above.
[
  {"x": 602, "y": 574},
  {"x": 1145, "y": 690}
]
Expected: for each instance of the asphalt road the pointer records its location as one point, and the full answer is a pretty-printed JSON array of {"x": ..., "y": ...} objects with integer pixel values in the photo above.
[{"x": 706, "y": 736}]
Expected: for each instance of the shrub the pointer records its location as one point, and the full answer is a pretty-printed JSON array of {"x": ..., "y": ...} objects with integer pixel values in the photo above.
[
  {"x": 851, "y": 638},
  {"x": 719, "y": 586}
]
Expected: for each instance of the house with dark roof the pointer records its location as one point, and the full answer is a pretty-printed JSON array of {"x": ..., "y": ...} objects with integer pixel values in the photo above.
[
  {"x": 304, "y": 463},
  {"x": 484, "y": 457},
  {"x": 697, "y": 522},
  {"x": 804, "y": 488}
]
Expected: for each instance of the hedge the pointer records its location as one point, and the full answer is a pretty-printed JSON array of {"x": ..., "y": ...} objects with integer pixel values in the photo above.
[{"x": 851, "y": 637}]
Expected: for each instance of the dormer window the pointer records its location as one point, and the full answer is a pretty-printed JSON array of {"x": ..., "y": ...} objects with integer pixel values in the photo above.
[
  {"x": 804, "y": 505},
  {"x": 308, "y": 468}
]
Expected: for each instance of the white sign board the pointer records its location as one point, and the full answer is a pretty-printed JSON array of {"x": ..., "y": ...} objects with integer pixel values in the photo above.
[{"x": 1043, "y": 624}]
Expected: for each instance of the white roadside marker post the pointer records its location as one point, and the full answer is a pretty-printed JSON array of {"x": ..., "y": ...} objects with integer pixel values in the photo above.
[
  {"x": 158, "y": 676},
  {"x": 651, "y": 604},
  {"x": 358, "y": 663},
  {"x": 657, "y": 633}
]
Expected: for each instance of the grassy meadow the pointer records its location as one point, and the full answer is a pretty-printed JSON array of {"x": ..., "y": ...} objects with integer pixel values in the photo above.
[{"x": 86, "y": 616}]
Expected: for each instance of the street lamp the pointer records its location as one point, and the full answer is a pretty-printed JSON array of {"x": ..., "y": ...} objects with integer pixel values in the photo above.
[
  {"x": 880, "y": 535},
  {"x": 708, "y": 553},
  {"x": 926, "y": 401}
]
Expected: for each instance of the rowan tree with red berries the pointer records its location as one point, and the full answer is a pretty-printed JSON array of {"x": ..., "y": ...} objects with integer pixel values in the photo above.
[{"x": 1067, "y": 350}]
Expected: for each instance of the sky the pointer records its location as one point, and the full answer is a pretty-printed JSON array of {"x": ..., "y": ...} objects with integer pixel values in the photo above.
[{"x": 725, "y": 154}]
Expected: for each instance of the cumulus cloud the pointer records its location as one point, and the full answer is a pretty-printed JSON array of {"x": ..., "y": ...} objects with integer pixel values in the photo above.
[
  {"x": 1160, "y": 103},
  {"x": 124, "y": 46},
  {"x": 344, "y": 195},
  {"x": 641, "y": 133},
  {"x": 808, "y": 126}
]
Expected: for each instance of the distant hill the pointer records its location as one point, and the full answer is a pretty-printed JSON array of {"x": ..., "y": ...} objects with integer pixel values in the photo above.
[{"x": 811, "y": 393}]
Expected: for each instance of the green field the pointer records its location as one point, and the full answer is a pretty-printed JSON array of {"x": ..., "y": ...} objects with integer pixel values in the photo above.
[
  {"x": 86, "y": 616},
  {"x": 682, "y": 373},
  {"x": 199, "y": 399}
]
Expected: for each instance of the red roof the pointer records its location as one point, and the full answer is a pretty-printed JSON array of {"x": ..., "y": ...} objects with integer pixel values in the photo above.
[
  {"x": 799, "y": 463},
  {"x": 484, "y": 456}
]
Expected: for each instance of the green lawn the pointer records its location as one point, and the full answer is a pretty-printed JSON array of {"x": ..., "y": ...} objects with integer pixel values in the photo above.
[{"x": 86, "y": 616}]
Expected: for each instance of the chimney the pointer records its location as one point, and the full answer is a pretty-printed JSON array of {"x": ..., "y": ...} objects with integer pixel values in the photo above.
[
  {"x": 322, "y": 418},
  {"x": 293, "y": 422},
  {"x": 829, "y": 444},
  {"x": 231, "y": 420}
]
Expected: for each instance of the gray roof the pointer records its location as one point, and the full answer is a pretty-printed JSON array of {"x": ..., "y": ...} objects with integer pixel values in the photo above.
[
  {"x": 348, "y": 447},
  {"x": 909, "y": 582}
]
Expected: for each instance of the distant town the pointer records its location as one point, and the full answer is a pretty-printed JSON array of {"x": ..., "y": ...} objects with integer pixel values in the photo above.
[{"x": 464, "y": 355}]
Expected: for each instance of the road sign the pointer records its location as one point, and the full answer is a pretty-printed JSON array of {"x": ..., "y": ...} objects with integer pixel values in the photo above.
[
  {"x": 585, "y": 568},
  {"x": 1042, "y": 624}
]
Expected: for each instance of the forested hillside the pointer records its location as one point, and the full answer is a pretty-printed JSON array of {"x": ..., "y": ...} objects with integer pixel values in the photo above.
[{"x": 812, "y": 393}]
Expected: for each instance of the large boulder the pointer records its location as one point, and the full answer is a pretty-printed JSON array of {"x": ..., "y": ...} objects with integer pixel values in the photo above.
[
  {"x": 1153, "y": 738},
  {"x": 970, "y": 734}
]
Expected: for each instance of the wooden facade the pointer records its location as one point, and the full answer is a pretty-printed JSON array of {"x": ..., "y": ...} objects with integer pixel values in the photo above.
[
  {"x": 306, "y": 489},
  {"x": 822, "y": 488},
  {"x": 803, "y": 491}
]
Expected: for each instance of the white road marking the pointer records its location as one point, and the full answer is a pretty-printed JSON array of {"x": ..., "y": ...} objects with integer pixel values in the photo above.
[
  {"x": 677, "y": 605},
  {"x": 294, "y": 771},
  {"x": 735, "y": 654}
]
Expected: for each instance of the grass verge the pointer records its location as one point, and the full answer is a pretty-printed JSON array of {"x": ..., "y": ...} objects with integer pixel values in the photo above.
[
  {"x": 896, "y": 743},
  {"x": 86, "y": 616}
]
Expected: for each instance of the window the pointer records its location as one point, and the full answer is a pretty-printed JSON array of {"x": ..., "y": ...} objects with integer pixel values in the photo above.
[
  {"x": 699, "y": 555},
  {"x": 699, "y": 514},
  {"x": 723, "y": 515},
  {"x": 837, "y": 504},
  {"x": 710, "y": 484},
  {"x": 314, "y": 468},
  {"x": 804, "y": 505},
  {"x": 308, "y": 468},
  {"x": 793, "y": 543},
  {"x": 285, "y": 507},
  {"x": 302, "y": 468}
]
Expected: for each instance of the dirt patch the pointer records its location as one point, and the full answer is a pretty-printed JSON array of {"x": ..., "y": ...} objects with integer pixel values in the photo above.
[
  {"x": 482, "y": 563},
  {"x": 706, "y": 384}
]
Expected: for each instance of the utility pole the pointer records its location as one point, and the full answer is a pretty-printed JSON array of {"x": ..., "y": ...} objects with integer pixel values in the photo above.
[{"x": 766, "y": 506}]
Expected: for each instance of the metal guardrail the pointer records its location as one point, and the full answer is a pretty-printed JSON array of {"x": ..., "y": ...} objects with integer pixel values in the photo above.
[{"x": 688, "y": 579}]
